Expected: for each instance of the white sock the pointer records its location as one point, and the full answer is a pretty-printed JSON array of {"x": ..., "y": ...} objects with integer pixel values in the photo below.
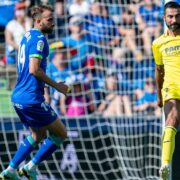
[
  {"x": 12, "y": 170},
  {"x": 30, "y": 165}
]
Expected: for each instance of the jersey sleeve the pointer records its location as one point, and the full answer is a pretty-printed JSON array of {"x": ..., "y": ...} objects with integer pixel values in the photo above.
[
  {"x": 37, "y": 48},
  {"x": 157, "y": 54}
]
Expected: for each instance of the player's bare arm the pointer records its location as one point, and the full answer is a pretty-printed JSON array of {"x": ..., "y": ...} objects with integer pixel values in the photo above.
[
  {"x": 159, "y": 83},
  {"x": 47, "y": 95},
  {"x": 36, "y": 70},
  {"x": 10, "y": 40},
  {"x": 62, "y": 104}
]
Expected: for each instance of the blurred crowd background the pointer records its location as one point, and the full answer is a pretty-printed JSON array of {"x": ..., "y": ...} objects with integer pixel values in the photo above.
[{"x": 102, "y": 48}]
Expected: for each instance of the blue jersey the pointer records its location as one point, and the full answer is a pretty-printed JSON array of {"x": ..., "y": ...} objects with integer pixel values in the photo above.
[
  {"x": 151, "y": 16},
  {"x": 100, "y": 29},
  {"x": 78, "y": 61},
  {"x": 29, "y": 90}
]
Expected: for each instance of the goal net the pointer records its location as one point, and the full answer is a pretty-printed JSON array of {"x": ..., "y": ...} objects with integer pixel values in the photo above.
[
  {"x": 102, "y": 49},
  {"x": 118, "y": 148}
]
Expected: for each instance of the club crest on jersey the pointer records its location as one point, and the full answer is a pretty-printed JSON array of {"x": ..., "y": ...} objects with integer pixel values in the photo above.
[{"x": 40, "y": 45}]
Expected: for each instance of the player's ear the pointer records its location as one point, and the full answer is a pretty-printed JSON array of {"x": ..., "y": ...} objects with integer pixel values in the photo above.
[{"x": 38, "y": 20}]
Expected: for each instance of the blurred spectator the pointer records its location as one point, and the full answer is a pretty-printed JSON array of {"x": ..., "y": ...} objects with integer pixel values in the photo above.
[
  {"x": 58, "y": 71},
  {"x": 6, "y": 15},
  {"x": 2, "y": 61},
  {"x": 36, "y": 2},
  {"x": 144, "y": 69},
  {"x": 79, "y": 102},
  {"x": 6, "y": 11},
  {"x": 159, "y": 3},
  {"x": 130, "y": 34},
  {"x": 101, "y": 29},
  {"x": 134, "y": 6},
  {"x": 59, "y": 7},
  {"x": 60, "y": 20},
  {"x": 147, "y": 99},
  {"x": 14, "y": 32},
  {"x": 78, "y": 41},
  {"x": 115, "y": 11},
  {"x": 79, "y": 7},
  {"x": 114, "y": 104},
  {"x": 96, "y": 77},
  {"x": 149, "y": 20}
]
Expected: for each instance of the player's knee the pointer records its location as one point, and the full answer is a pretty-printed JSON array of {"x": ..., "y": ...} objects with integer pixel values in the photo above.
[
  {"x": 63, "y": 134},
  {"x": 38, "y": 137},
  {"x": 173, "y": 121},
  {"x": 57, "y": 139}
]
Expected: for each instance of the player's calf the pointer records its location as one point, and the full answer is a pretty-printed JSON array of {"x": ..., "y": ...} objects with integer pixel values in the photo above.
[
  {"x": 58, "y": 129},
  {"x": 50, "y": 145},
  {"x": 38, "y": 134}
]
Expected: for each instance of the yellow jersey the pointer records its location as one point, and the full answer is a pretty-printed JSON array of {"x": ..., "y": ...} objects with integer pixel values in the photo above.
[{"x": 166, "y": 50}]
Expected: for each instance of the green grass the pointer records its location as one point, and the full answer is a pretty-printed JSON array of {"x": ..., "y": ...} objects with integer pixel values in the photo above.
[{"x": 6, "y": 108}]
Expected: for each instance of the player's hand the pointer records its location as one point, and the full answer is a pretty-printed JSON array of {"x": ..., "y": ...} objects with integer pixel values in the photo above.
[
  {"x": 63, "y": 88},
  {"x": 160, "y": 101}
]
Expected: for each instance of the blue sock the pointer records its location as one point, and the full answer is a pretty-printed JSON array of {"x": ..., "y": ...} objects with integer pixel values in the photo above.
[
  {"x": 46, "y": 149},
  {"x": 25, "y": 148}
]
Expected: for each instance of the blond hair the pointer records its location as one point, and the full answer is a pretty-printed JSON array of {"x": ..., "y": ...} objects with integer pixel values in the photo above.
[{"x": 37, "y": 11}]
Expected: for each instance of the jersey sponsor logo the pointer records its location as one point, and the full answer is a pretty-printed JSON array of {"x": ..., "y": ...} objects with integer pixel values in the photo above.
[
  {"x": 175, "y": 50},
  {"x": 40, "y": 45}
]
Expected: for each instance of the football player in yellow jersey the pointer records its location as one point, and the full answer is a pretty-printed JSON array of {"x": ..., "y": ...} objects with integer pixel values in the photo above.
[{"x": 166, "y": 50}]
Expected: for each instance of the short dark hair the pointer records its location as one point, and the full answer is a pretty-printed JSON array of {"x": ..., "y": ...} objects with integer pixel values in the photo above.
[
  {"x": 36, "y": 11},
  {"x": 171, "y": 5}
]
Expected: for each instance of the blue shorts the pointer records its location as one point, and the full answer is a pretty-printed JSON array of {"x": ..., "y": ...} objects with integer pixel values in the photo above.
[{"x": 36, "y": 115}]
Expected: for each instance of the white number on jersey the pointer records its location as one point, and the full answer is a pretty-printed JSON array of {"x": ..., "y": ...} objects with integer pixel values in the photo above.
[{"x": 21, "y": 57}]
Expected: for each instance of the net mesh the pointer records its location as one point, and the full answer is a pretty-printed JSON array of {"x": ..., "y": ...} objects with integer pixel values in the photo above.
[
  {"x": 113, "y": 123},
  {"x": 119, "y": 148}
]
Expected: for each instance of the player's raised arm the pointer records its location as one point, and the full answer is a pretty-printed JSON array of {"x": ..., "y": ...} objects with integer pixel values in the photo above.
[{"x": 159, "y": 83}]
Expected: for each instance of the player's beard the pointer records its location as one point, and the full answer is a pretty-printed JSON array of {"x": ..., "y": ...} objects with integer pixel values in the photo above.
[
  {"x": 173, "y": 27},
  {"x": 46, "y": 29}
]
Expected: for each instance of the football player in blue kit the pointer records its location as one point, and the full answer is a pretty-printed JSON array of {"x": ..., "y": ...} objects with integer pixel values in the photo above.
[{"x": 28, "y": 98}]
